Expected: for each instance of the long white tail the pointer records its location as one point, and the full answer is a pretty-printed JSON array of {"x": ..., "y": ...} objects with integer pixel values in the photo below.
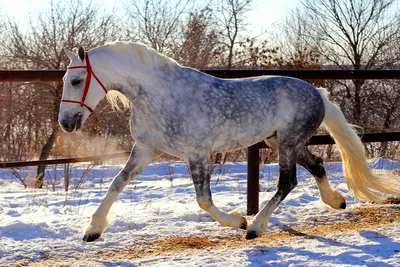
[{"x": 361, "y": 180}]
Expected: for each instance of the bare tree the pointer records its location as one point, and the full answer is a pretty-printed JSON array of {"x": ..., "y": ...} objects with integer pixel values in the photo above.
[
  {"x": 64, "y": 24},
  {"x": 231, "y": 15},
  {"x": 201, "y": 41},
  {"x": 157, "y": 23},
  {"x": 294, "y": 44},
  {"x": 355, "y": 34}
]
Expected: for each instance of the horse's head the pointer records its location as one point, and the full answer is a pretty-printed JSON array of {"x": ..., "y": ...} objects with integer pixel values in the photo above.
[{"x": 80, "y": 95}]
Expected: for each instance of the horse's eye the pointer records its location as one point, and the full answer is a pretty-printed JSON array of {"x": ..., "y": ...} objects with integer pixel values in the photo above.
[{"x": 75, "y": 82}]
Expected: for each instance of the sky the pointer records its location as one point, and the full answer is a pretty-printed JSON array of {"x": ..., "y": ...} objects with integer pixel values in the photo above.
[{"x": 264, "y": 13}]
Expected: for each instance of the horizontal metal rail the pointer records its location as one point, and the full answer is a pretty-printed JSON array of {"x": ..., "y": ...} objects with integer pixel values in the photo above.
[
  {"x": 314, "y": 140},
  {"x": 17, "y": 164},
  {"x": 326, "y": 139},
  {"x": 56, "y": 75},
  {"x": 311, "y": 74}
]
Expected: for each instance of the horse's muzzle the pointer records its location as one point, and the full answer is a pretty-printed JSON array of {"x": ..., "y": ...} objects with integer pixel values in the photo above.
[{"x": 69, "y": 124}]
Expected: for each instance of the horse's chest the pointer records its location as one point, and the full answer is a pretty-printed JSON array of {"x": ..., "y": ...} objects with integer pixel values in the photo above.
[
  {"x": 159, "y": 133},
  {"x": 145, "y": 129}
]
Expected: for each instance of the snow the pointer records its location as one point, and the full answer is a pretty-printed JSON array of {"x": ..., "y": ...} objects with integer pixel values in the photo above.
[{"x": 41, "y": 225}]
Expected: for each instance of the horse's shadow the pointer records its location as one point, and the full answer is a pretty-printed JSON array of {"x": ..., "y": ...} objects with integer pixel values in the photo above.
[
  {"x": 378, "y": 248},
  {"x": 118, "y": 264}
]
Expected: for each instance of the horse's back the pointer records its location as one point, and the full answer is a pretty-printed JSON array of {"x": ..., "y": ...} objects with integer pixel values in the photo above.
[{"x": 253, "y": 109}]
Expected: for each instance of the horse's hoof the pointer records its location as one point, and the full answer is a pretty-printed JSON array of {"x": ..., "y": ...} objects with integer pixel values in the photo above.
[
  {"x": 334, "y": 199},
  {"x": 243, "y": 225},
  {"x": 251, "y": 235},
  {"x": 91, "y": 237}
]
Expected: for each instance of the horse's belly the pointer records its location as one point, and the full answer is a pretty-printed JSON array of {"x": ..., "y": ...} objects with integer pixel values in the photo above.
[{"x": 239, "y": 140}]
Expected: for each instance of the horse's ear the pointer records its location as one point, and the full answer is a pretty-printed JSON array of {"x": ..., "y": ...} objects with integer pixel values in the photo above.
[
  {"x": 69, "y": 54},
  {"x": 81, "y": 53}
]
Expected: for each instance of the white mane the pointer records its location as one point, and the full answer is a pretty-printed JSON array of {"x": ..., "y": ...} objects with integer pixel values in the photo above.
[
  {"x": 140, "y": 53},
  {"x": 115, "y": 98}
]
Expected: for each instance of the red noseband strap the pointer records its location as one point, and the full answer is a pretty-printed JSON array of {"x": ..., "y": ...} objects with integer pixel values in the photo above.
[{"x": 89, "y": 75}]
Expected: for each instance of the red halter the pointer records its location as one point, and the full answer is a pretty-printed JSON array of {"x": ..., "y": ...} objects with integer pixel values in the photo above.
[{"x": 89, "y": 74}]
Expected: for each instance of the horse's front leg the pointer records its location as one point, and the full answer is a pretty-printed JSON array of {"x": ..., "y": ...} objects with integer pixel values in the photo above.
[
  {"x": 200, "y": 170},
  {"x": 139, "y": 158}
]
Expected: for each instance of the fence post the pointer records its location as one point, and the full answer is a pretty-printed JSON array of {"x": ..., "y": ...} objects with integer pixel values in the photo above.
[{"x": 253, "y": 179}]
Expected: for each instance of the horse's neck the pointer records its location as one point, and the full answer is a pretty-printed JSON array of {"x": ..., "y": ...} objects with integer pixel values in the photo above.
[
  {"x": 135, "y": 80},
  {"x": 119, "y": 72}
]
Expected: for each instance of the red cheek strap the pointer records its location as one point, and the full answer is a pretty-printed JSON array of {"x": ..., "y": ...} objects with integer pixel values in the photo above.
[{"x": 89, "y": 75}]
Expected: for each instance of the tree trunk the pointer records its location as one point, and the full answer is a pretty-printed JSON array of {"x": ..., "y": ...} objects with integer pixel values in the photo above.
[
  {"x": 44, "y": 155},
  {"x": 48, "y": 146},
  {"x": 357, "y": 101},
  {"x": 230, "y": 56},
  {"x": 357, "y": 89}
]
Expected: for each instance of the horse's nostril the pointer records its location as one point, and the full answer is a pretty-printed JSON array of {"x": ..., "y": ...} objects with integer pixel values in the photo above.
[{"x": 64, "y": 124}]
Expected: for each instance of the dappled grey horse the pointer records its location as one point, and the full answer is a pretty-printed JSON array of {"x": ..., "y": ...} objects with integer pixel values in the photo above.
[{"x": 189, "y": 114}]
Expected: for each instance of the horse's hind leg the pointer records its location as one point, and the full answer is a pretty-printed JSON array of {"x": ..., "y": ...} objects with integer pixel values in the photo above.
[
  {"x": 315, "y": 166},
  {"x": 200, "y": 170},
  {"x": 139, "y": 158},
  {"x": 287, "y": 181}
]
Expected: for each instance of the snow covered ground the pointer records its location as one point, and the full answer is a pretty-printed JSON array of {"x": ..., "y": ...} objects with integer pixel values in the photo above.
[{"x": 45, "y": 227}]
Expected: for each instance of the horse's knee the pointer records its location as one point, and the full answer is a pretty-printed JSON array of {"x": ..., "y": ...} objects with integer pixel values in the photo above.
[
  {"x": 204, "y": 203},
  {"x": 117, "y": 186},
  {"x": 120, "y": 182}
]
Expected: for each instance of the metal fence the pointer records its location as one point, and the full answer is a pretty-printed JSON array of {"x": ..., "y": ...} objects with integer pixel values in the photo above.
[{"x": 253, "y": 151}]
